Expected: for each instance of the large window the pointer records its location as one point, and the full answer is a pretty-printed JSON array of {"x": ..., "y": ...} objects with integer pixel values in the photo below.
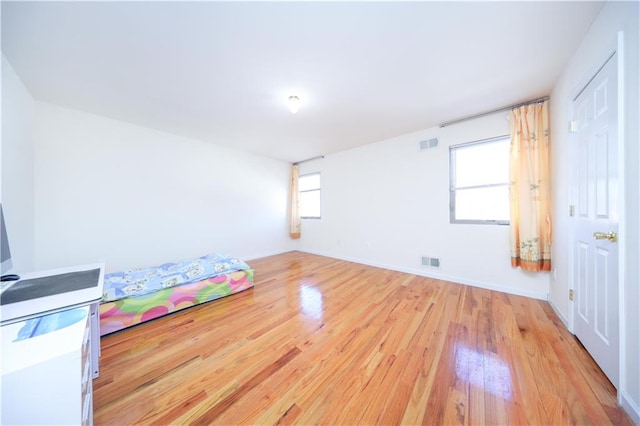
[
  {"x": 479, "y": 181},
  {"x": 309, "y": 191}
]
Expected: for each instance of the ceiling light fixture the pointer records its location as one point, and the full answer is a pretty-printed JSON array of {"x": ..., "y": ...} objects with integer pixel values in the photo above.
[{"x": 294, "y": 104}]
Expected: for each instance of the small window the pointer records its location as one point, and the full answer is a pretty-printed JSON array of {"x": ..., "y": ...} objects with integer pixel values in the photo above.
[
  {"x": 479, "y": 181},
  {"x": 309, "y": 191}
]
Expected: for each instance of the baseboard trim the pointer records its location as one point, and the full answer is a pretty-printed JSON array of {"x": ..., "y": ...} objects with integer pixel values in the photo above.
[
  {"x": 632, "y": 409},
  {"x": 265, "y": 254},
  {"x": 430, "y": 274},
  {"x": 560, "y": 315}
]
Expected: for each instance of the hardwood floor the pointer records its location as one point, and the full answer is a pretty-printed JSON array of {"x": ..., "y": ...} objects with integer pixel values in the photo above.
[{"x": 320, "y": 340}]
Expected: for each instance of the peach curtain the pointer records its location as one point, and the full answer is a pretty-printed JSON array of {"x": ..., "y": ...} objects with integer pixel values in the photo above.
[
  {"x": 294, "y": 212},
  {"x": 529, "y": 188}
]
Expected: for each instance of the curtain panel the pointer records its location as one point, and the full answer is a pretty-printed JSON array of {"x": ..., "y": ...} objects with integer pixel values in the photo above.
[
  {"x": 294, "y": 208},
  {"x": 529, "y": 188}
]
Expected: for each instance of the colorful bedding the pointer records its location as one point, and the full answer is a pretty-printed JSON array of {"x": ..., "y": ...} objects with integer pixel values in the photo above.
[
  {"x": 129, "y": 311},
  {"x": 137, "y": 282}
]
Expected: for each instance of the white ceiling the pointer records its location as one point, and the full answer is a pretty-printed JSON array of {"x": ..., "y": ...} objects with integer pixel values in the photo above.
[{"x": 221, "y": 72}]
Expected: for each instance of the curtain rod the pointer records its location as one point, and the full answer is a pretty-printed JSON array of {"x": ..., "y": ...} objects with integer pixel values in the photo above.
[
  {"x": 308, "y": 159},
  {"x": 482, "y": 114}
]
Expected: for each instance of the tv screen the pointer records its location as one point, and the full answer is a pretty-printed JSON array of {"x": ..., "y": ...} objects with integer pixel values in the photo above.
[{"x": 5, "y": 253}]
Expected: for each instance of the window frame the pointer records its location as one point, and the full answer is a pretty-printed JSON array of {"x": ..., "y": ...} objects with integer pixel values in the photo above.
[
  {"x": 453, "y": 188},
  {"x": 319, "y": 189}
]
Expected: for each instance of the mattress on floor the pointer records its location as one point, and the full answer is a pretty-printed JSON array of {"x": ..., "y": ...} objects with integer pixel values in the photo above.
[
  {"x": 130, "y": 311},
  {"x": 136, "y": 282}
]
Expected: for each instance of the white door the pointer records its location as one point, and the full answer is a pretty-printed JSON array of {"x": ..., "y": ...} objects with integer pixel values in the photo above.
[{"x": 595, "y": 249}]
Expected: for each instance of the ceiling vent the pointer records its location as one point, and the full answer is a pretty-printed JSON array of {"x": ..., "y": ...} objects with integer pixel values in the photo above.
[{"x": 428, "y": 144}]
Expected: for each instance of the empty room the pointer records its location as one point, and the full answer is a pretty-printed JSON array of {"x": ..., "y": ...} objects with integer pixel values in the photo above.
[{"x": 333, "y": 213}]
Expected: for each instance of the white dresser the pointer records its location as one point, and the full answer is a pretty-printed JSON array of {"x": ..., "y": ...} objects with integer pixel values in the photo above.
[
  {"x": 50, "y": 349},
  {"x": 47, "y": 378}
]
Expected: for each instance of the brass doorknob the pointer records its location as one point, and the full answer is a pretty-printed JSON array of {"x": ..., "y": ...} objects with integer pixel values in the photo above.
[{"x": 611, "y": 236}]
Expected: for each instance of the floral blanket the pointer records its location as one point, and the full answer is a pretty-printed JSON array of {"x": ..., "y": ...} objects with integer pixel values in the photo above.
[{"x": 136, "y": 282}]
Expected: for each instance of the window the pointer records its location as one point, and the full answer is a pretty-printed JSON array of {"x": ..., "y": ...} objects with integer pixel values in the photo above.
[
  {"x": 479, "y": 181},
  {"x": 309, "y": 191}
]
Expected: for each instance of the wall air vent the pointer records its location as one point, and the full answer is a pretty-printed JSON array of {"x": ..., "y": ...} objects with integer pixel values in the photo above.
[
  {"x": 428, "y": 144},
  {"x": 433, "y": 262}
]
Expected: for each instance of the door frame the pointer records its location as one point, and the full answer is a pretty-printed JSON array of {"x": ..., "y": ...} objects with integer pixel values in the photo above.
[{"x": 615, "y": 47}]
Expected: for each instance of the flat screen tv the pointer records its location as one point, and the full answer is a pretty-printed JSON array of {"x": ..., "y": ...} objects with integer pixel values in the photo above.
[{"x": 5, "y": 252}]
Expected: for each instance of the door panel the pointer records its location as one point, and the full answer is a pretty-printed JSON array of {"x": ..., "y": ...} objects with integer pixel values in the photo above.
[
  {"x": 602, "y": 283},
  {"x": 596, "y": 320},
  {"x": 583, "y": 273},
  {"x": 602, "y": 174}
]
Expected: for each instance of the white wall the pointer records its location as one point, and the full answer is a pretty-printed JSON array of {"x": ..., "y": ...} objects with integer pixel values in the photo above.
[
  {"x": 387, "y": 204},
  {"x": 594, "y": 49},
  {"x": 16, "y": 164},
  {"x": 137, "y": 197}
]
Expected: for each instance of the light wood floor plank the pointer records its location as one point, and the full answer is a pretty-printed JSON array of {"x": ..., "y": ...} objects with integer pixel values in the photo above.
[{"x": 325, "y": 341}]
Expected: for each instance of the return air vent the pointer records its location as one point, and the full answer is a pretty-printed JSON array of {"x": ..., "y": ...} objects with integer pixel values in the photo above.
[
  {"x": 432, "y": 262},
  {"x": 428, "y": 144}
]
